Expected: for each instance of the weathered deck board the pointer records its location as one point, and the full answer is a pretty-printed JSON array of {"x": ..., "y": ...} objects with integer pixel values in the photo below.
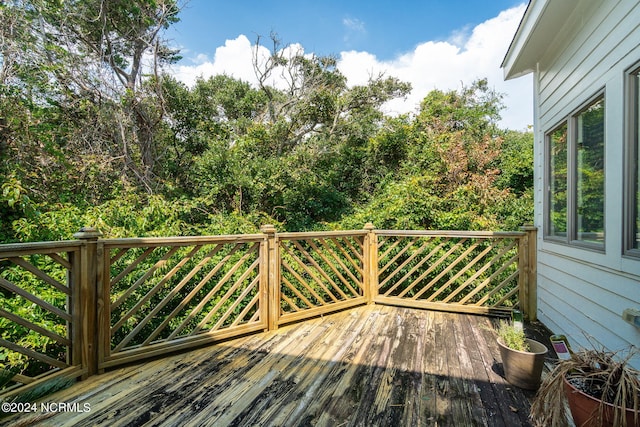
[{"x": 373, "y": 365}]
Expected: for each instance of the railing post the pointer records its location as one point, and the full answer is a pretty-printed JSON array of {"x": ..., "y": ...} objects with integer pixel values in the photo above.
[
  {"x": 528, "y": 275},
  {"x": 86, "y": 315},
  {"x": 370, "y": 278},
  {"x": 272, "y": 265}
]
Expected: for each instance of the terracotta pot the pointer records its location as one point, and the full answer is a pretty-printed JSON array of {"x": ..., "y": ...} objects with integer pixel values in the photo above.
[
  {"x": 584, "y": 409},
  {"x": 523, "y": 368}
]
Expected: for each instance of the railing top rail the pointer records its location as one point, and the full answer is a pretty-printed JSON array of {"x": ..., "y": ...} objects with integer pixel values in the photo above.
[
  {"x": 451, "y": 233},
  {"x": 17, "y": 249},
  {"x": 11, "y": 249},
  {"x": 181, "y": 240},
  {"x": 314, "y": 234}
]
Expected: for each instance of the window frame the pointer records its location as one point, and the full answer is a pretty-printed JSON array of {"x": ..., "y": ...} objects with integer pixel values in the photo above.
[
  {"x": 631, "y": 180},
  {"x": 571, "y": 123},
  {"x": 548, "y": 223}
]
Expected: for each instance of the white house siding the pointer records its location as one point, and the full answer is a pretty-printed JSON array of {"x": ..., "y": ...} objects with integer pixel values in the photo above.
[{"x": 583, "y": 292}]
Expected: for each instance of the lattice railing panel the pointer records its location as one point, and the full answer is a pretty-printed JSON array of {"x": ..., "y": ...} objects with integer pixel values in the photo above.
[
  {"x": 35, "y": 315},
  {"x": 319, "y": 272},
  {"x": 69, "y": 309},
  {"x": 449, "y": 269},
  {"x": 164, "y": 293}
]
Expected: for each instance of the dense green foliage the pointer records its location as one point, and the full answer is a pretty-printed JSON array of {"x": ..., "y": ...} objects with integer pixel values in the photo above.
[{"x": 91, "y": 134}]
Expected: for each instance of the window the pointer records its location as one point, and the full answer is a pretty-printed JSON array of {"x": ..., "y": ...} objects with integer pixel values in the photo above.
[
  {"x": 558, "y": 182},
  {"x": 575, "y": 178},
  {"x": 589, "y": 189},
  {"x": 632, "y": 167}
]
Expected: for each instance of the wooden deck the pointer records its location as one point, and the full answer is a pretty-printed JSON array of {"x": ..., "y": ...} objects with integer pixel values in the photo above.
[{"x": 372, "y": 365}]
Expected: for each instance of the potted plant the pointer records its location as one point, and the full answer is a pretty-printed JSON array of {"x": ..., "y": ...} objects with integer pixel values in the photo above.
[
  {"x": 522, "y": 357},
  {"x": 600, "y": 387}
]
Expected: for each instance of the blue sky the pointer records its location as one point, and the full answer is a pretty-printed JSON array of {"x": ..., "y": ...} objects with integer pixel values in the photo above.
[
  {"x": 432, "y": 44},
  {"x": 385, "y": 28}
]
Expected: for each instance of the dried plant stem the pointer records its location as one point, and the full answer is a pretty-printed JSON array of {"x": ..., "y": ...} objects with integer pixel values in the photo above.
[{"x": 604, "y": 375}]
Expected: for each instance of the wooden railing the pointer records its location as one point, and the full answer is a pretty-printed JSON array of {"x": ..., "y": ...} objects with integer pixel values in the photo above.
[
  {"x": 317, "y": 273},
  {"x": 474, "y": 272},
  {"x": 164, "y": 294},
  {"x": 75, "y": 308},
  {"x": 41, "y": 313}
]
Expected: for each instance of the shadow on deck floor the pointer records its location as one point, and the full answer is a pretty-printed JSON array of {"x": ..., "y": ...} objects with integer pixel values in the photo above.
[{"x": 373, "y": 365}]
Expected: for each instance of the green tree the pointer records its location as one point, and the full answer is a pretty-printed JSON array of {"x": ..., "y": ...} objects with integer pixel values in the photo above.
[
  {"x": 82, "y": 85},
  {"x": 450, "y": 167},
  {"x": 293, "y": 152},
  {"x": 516, "y": 162},
  {"x": 86, "y": 120}
]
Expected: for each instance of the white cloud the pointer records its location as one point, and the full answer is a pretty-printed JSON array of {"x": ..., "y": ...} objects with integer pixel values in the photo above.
[
  {"x": 355, "y": 31},
  {"x": 447, "y": 65},
  {"x": 460, "y": 36},
  {"x": 444, "y": 65},
  {"x": 354, "y": 24},
  {"x": 233, "y": 59}
]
